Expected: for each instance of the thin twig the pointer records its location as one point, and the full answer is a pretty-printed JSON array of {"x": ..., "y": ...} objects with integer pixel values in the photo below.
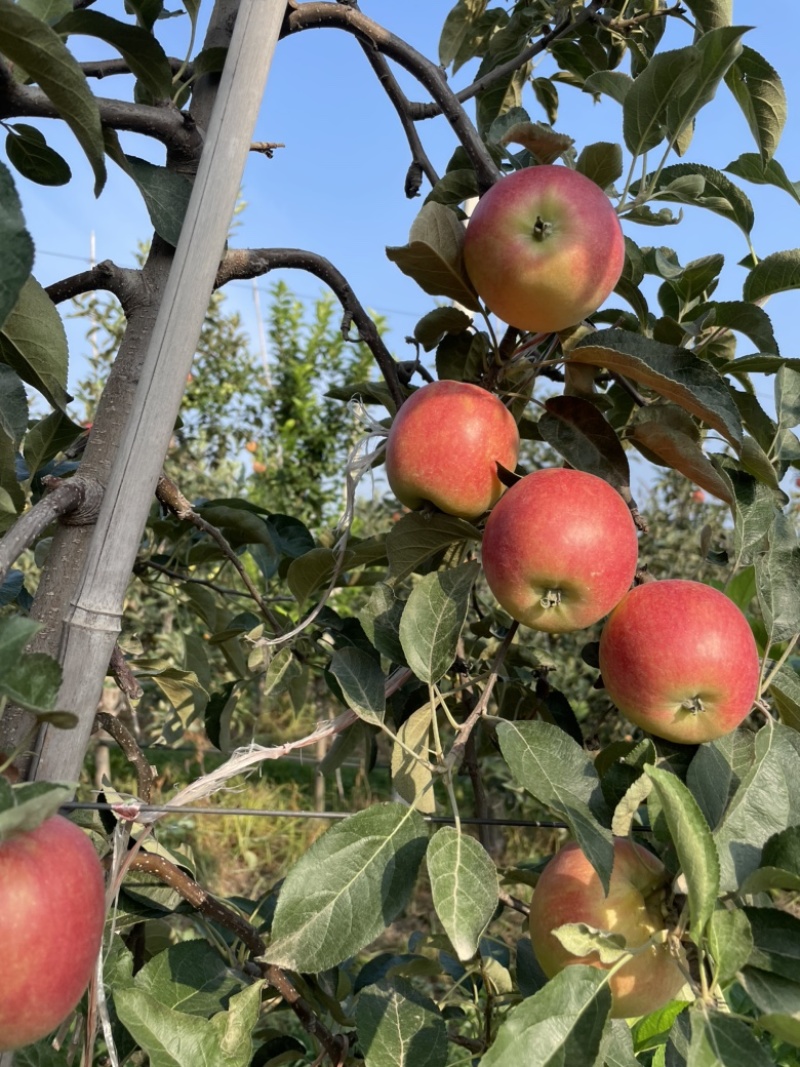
[
  {"x": 172, "y": 498},
  {"x": 127, "y": 742},
  {"x": 123, "y": 675},
  {"x": 255, "y": 262}
]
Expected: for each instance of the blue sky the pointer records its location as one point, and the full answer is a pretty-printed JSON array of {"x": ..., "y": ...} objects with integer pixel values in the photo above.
[{"x": 337, "y": 186}]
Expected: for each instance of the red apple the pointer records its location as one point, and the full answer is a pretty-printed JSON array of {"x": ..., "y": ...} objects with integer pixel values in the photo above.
[
  {"x": 679, "y": 659},
  {"x": 544, "y": 248},
  {"x": 560, "y": 550},
  {"x": 444, "y": 446},
  {"x": 52, "y": 910},
  {"x": 569, "y": 891}
]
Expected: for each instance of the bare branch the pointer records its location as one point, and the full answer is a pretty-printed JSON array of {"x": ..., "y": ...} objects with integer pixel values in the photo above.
[
  {"x": 254, "y": 262},
  {"x": 266, "y": 148},
  {"x": 78, "y": 497},
  {"x": 106, "y": 68},
  {"x": 125, "y": 284},
  {"x": 131, "y": 750},
  {"x": 403, "y": 108},
  {"x": 165, "y": 123},
  {"x": 322, "y": 13},
  {"x": 124, "y": 676}
]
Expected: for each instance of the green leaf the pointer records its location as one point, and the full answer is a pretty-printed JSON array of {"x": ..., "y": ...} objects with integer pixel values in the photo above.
[
  {"x": 580, "y": 939},
  {"x": 601, "y": 162},
  {"x": 765, "y": 802},
  {"x": 398, "y": 1026},
  {"x": 139, "y": 48},
  {"x": 730, "y": 941},
  {"x": 718, "y": 49},
  {"x": 28, "y": 150},
  {"x": 663, "y": 81},
  {"x": 560, "y": 1025},
  {"x": 34, "y": 344},
  {"x": 190, "y": 977},
  {"x": 778, "y": 581},
  {"x": 676, "y": 449},
  {"x": 17, "y": 259},
  {"x": 711, "y": 14},
  {"x": 316, "y": 568},
  {"x": 785, "y": 691},
  {"x": 778, "y": 998},
  {"x": 613, "y": 83},
  {"x": 752, "y": 168},
  {"x": 748, "y": 319},
  {"x": 787, "y": 396},
  {"x": 165, "y": 193},
  {"x": 47, "y": 437},
  {"x": 555, "y": 769},
  {"x": 617, "y": 1047},
  {"x": 362, "y": 682},
  {"x": 777, "y": 273},
  {"x": 576, "y": 429},
  {"x": 433, "y": 618},
  {"x": 33, "y": 681},
  {"x": 413, "y": 779},
  {"x": 432, "y": 327},
  {"x": 15, "y": 633},
  {"x": 694, "y": 845},
  {"x": 41, "y": 53},
  {"x": 380, "y": 618},
  {"x": 454, "y": 187},
  {"x": 754, "y": 510},
  {"x": 776, "y": 942},
  {"x": 673, "y": 372},
  {"x": 26, "y": 806},
  {"x": 13, "y": 405},
  {"x": 716, "y": 771},
  {"x": 759, "y": 92},
  {"x": 720, "y": 1041},
  {"x": 281, "y": 671},
  {"x": 701, "y": 186},
  {"x": 433, "y": 257},
  {"x": 49, "y": 11},
  {"x": 464, "y": 887},
  {"x": 351, "y": 883},
  {"x": 174, "y": 1039}
]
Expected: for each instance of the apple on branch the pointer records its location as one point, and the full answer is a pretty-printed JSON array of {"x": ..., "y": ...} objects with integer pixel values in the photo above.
[
  {"x": 560, "y": 550},
  {"x": 52, "y": 911},
  {"x": 570, "y": 891},
  {"x": 544, "y": 248},
  {"x": 679, "y": 659},
  {"x": 444, "y": 447}
]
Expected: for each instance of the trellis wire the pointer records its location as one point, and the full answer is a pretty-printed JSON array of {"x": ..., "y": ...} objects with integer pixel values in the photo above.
[{"x": 272, "y": 813}]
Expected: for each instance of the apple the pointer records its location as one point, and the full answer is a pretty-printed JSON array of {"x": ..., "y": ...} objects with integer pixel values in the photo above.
[
  {"x": 560, "y": 550},
  {"x": 444, "y": 446},
  {"x": 52, "y": 911},
  {"x": 569, "y": 891},
  {"x": 544, "y": 248},
  {"x": 679, "y": 659}
]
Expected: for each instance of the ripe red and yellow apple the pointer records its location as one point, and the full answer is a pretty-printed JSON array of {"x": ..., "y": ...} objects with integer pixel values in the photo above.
[
  {"x": 52, "y": 910},
  {"x": 544, "y": 248},
  {"x": 444, "y": 446},
  {"x": 569, "y": 891},
  {"x": 560, "y": 550},
  {"x": 679, "y": 659}
]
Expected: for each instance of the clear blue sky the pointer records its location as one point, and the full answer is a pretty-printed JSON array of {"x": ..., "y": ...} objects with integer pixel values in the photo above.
[{"x": 337, "y": 186}]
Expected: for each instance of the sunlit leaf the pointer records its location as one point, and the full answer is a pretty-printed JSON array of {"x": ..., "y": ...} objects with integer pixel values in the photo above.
[{"x": 464, "y": 887}]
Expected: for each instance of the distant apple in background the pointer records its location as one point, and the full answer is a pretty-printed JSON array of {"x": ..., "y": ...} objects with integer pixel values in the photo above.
[
  {"x": 544, "y": 248},
  {"x": 560, "y": 550},
  {"x": 52, "y": 911},
  {"x": 444, "y": 446},
  {"x": 679, "y": 659},
  {"x": 569, "y": 891}
]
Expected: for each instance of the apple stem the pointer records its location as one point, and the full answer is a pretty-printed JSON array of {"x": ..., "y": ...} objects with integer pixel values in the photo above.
[
  {"x": 694, "y": 704},
  {"x": 551, "y": 599}
]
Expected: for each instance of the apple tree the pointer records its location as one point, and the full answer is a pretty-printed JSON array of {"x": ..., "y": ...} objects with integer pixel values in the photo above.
[{"x": 651, "y": 915}]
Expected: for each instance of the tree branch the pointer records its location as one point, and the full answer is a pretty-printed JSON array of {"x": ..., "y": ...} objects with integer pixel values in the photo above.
[
  {"x": 254, "y": 262},
  {"x": 78, "y": 498},
  {"x": 317, "y": 14},
  {"x": 125, "y": 284},
  {"x": 132, "y": 752},
  {"x": 402, "y": 106},
  {"x": 216, "y": 911}
]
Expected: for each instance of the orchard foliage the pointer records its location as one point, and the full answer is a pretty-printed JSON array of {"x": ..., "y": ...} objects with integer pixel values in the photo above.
[{"x": 382, "y": 623}]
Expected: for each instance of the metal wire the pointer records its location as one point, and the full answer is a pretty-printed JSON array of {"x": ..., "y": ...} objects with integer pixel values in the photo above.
[{"x": 167, "y": 809}]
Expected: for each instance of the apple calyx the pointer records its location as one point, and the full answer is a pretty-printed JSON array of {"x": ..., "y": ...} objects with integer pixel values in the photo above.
[
  {"x": 693, "y": 704},
  {"x": 550, "y": 599},
  {"x": 541, "y": 229}
]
